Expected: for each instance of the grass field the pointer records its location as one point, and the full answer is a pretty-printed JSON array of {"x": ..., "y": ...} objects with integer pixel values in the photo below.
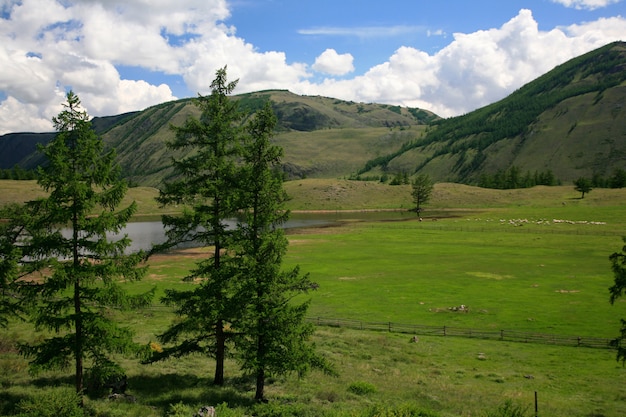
[{"x": 500, "y": 253}]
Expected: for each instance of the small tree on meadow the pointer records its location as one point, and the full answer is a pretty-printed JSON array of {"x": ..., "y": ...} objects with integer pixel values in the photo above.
[
  {"x": 583, "y": 185},
  {"x": 422, "y": 188}
]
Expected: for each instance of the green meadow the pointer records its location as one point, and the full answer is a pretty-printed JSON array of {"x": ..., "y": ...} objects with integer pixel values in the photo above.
[{"x": 522, "y": 260}]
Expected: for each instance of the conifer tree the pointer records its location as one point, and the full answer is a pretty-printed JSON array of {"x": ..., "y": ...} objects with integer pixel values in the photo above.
[
  {"x": 618, "y": 266},
  {"x": 206, "y": 187},
  {"x": 272, "y": 330},
  {"x": 583, "y": 185},
  {"x": 12, "y": 227},
  {"x": 86, "y": 267},
  {"x": 422, "y": 188}
]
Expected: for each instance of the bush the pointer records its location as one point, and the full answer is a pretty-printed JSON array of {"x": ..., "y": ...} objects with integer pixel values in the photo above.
[
  {"x": 508, "y": 409},
  {"x": 180, "y": 410},
  {"x": 361, "y": 388},
  {"x": 183, "y": 410},
  {"x": 52, "y": 404},
  {"x": 407, "y": 410},
  {"x": 284, "y": 410}
]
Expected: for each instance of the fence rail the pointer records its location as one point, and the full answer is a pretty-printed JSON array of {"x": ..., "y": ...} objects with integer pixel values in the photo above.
[{"x": 503, "y": 335}]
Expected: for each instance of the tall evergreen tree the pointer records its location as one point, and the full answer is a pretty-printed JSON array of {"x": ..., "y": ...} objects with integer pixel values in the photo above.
[
  {"x": 206, "y": 187},
  {"x": 87, "y": 267},
  {"x": 272, "y": 330},
  {"x": 12, "y": 229}
]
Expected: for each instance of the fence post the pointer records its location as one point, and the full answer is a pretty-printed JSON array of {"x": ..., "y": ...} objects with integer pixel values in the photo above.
[
  {"x": 536, "y": 406},
  {"x": 444, "y": 330},
  {"x": 501, "y": 334},
  {"x": 389, "y": 327}
]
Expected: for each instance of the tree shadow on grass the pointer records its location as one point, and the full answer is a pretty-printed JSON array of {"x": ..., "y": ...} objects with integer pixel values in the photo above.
[
  {"x": 159, "y": 391},
  {"x": 9, "y": 401},
  {"x": 162, "y": 390},
  {"x": 53, "y": 381}
]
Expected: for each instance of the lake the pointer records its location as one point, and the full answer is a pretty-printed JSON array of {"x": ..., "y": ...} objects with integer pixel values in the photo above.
[{"x": 146, "y": 233}]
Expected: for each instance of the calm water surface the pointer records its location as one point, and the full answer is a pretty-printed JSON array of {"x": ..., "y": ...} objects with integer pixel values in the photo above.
[{"x": 144, "y": 234}]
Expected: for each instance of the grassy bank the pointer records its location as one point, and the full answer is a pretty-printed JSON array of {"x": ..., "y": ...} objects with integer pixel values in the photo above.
[{"x": 340, "y": 194}]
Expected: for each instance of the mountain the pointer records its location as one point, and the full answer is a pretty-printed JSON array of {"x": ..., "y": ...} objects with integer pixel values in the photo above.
[
  {"x": 21, "y": 148},
  {"x": 570, "y": 121},
  {"x": 321, "y": 136}
]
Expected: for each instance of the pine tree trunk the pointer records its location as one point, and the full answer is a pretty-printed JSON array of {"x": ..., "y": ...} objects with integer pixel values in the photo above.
[
  {"x": 260, "y": 385},
  {"x": 79, "y": 342},
  {"x": 219, "y": 353},
  {"x": 78, "y": 353}
]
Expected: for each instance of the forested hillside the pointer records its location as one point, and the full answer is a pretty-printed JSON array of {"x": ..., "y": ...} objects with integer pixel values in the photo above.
[{"x": 570, "y": 122}]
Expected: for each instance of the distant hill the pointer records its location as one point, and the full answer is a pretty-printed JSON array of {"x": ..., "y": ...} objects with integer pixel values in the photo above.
[
  {"x": 321, "y": 136},
  {"x": 21, "y": 148},
  {"x": 571, "y": 121}
]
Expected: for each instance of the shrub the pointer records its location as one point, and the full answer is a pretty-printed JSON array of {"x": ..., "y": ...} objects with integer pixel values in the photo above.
[
  {"x": 407, "y": 410},
  {"x": 180, "y": 410},
  {"x": 361, "y": 388},
  {"x": 508, "y": 409},
  {"x": 183, "y": 410},
  {"x": 284, "y": 410},
  {"x": 54, "y": 403}
]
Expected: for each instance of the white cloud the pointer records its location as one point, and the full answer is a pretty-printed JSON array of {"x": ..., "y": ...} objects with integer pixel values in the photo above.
[
  {"x": 48, "y": 46},
  {"x": 330, "y": 62},
  {"x": 363, "y": 31},
  {"x": 475, "y": 69},
  {"x": 17, "y": 116},
  {"x": 586, "y": 4}
]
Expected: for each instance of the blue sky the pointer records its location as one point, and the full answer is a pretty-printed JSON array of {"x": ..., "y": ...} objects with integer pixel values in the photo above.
[
  {"x": 448, "y": 56},
  {"x": 373, "y": 30}
]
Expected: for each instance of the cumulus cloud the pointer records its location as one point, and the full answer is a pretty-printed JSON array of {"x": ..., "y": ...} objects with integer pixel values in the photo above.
[
  {"x": 475, "y": 69},
  {"x": 586, "y": 4},
  {"x": 49, "y": 46},
  {"x": 330, "y": 62}
]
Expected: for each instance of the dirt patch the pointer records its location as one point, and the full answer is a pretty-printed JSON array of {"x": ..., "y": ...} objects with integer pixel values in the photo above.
[
  {"x": 489, "y": 275},
  {"x": 190, "y": 253}
]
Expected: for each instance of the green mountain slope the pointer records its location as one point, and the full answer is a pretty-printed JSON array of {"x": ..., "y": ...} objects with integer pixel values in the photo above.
[
  {"x": 321, "y": 136},
  {"x": 570, "y": 121}
]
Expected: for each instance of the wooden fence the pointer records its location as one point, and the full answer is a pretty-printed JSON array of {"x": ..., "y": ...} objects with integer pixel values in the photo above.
[{"x": 503, "y": 335}]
